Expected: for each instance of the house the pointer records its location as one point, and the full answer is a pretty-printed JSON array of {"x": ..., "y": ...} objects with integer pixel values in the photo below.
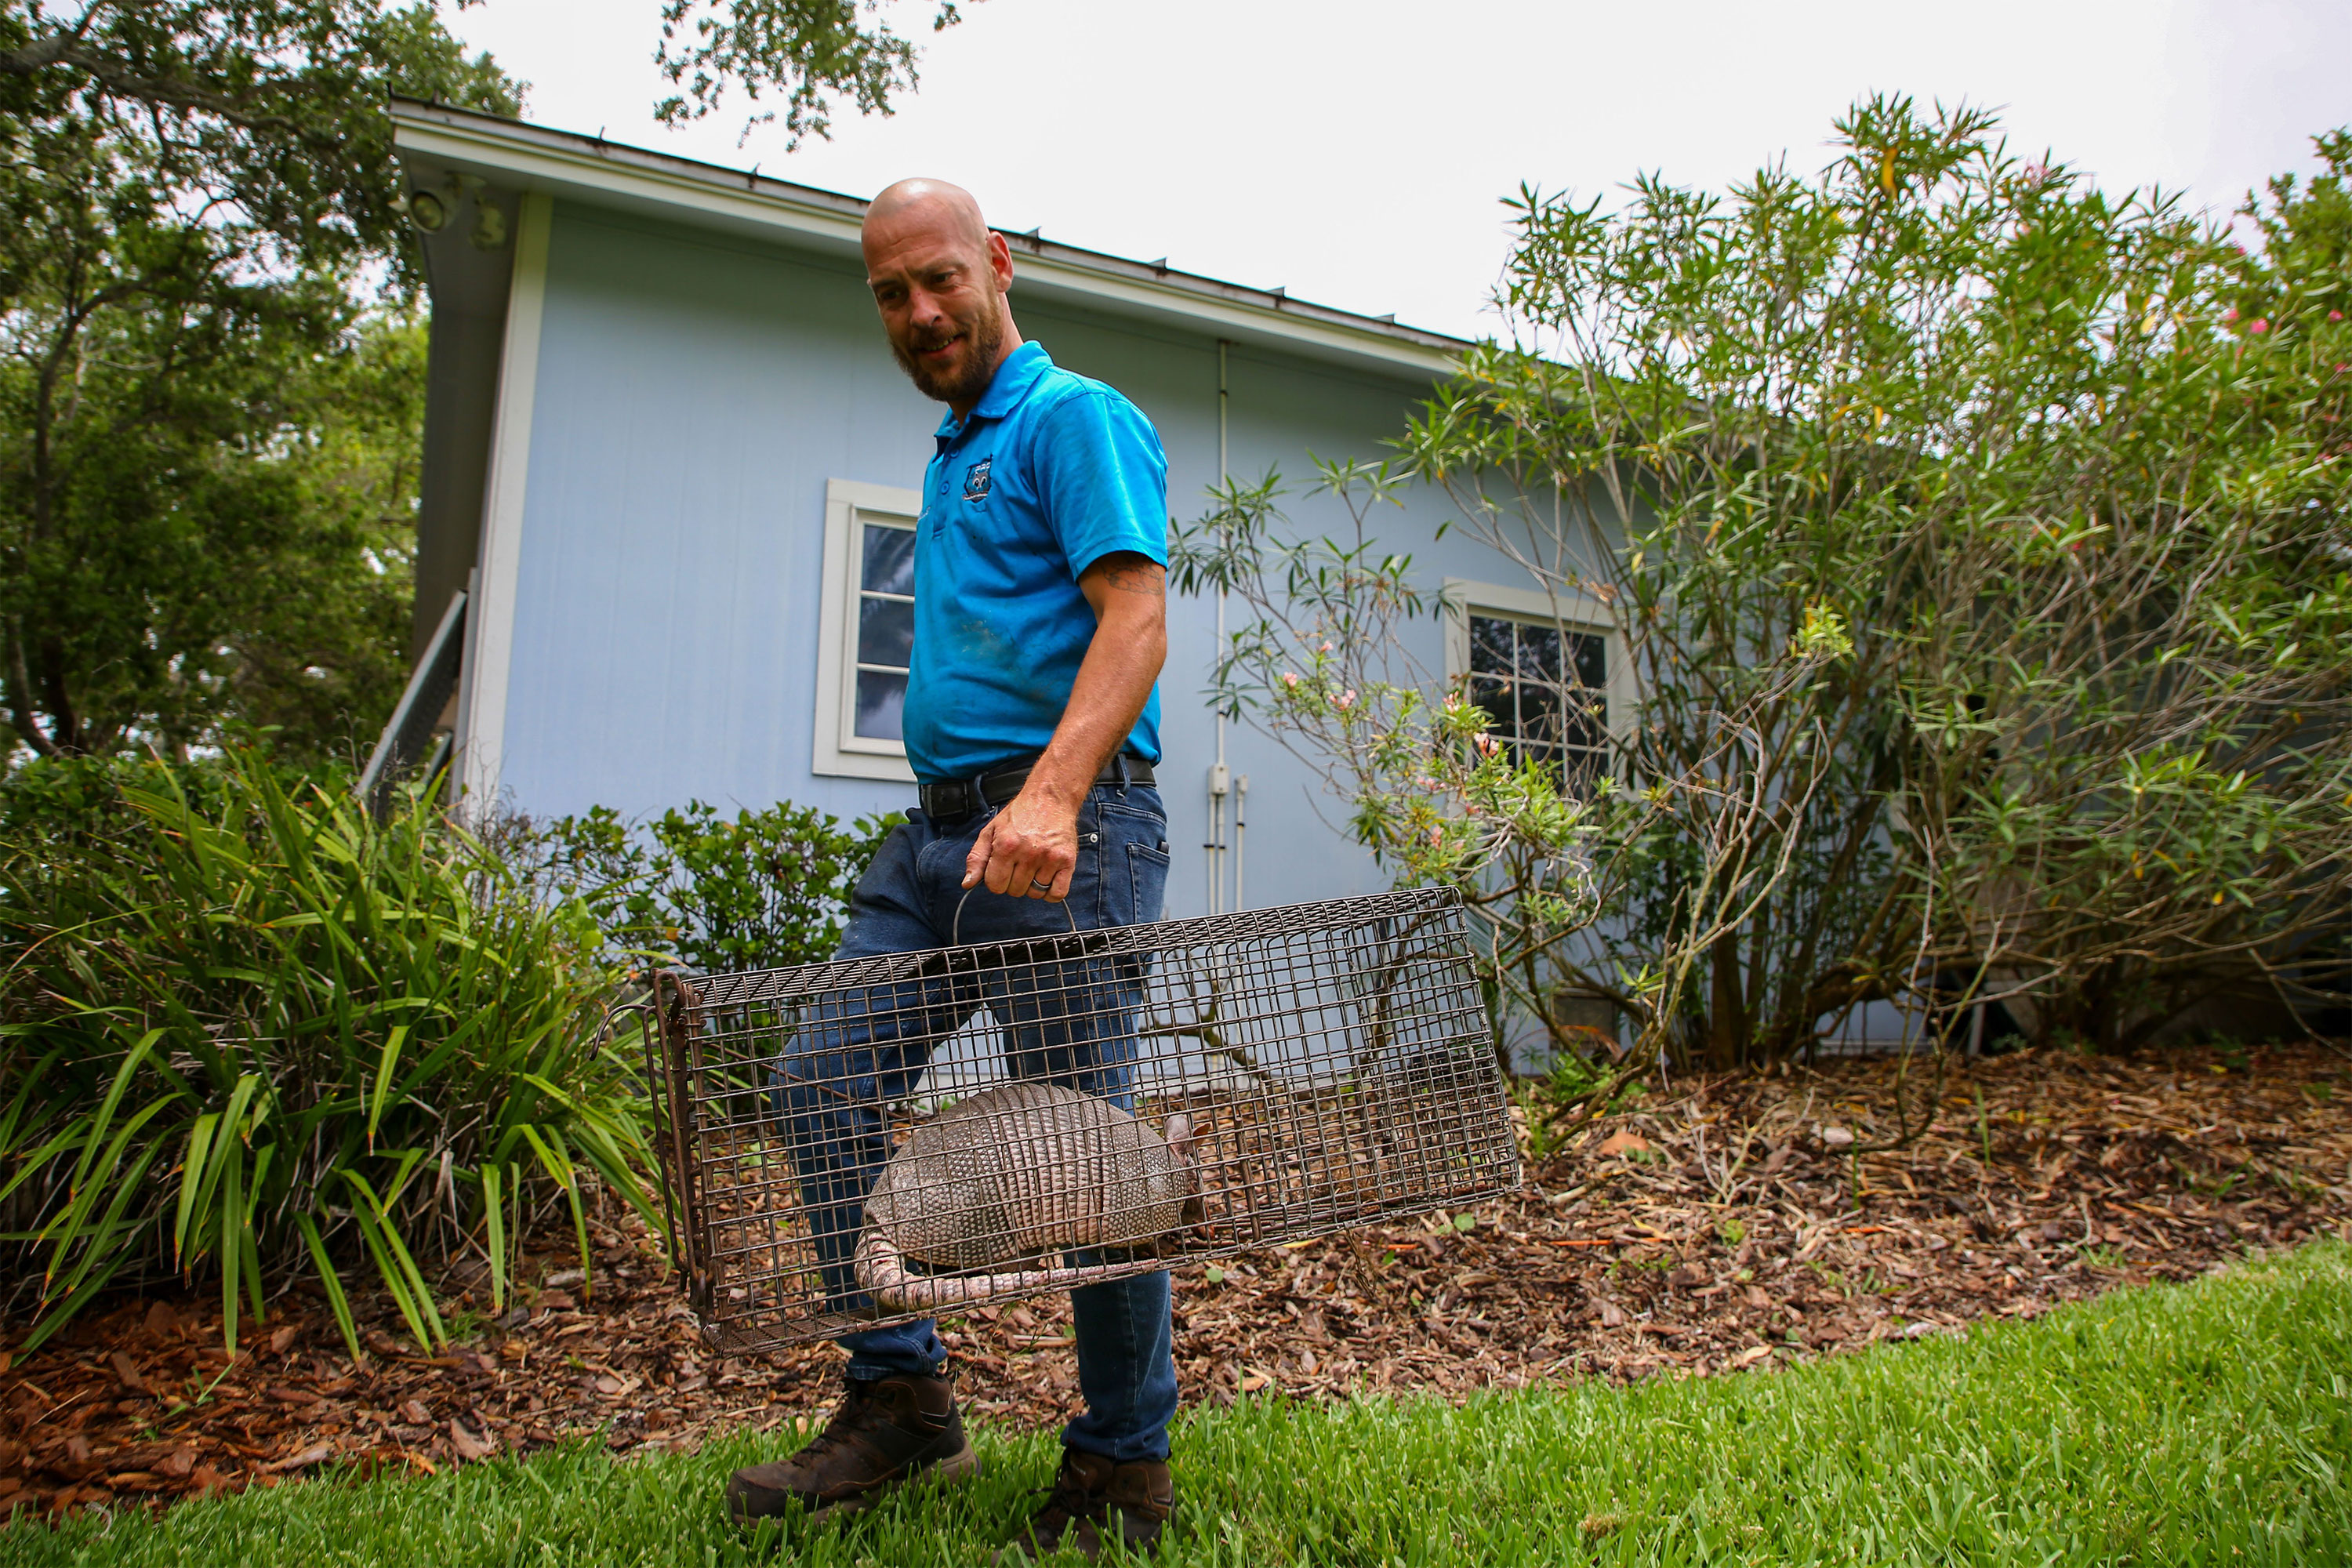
[{"x": 669, "y": 470}]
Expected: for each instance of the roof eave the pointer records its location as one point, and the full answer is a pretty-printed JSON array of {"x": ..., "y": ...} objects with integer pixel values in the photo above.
[{"x": 594, "y": 172}]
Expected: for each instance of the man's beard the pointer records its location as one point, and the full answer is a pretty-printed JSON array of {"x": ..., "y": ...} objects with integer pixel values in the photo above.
[{"x": 982, "y": 339}]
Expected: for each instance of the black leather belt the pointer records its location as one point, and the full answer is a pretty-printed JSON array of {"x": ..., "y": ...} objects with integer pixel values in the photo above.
[{"x": 954, "y": 802}]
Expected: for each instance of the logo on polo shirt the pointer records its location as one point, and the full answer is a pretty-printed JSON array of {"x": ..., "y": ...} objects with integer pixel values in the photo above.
[{"x": 975, "y": 480}]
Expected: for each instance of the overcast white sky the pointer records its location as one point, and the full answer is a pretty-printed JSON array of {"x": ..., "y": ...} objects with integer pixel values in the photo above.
[{"x": 1355, "y": 153}]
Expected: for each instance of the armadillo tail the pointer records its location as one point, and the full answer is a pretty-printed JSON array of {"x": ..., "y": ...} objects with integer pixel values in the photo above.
[
  {"x": 882, "y": 1274},
  {"x": 881, "y": 1268}
]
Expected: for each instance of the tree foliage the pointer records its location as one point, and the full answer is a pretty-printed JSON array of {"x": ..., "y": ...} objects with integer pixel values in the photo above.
[
  {"x": 261, "y": 120},
  {"x": 805, "y": 51},
  {"x": 1976, "y": 539},
  {"x": 280, "y": 101},
  {"x": 208, "y": 516},
  {"x": 206, "y": 444},
  {"x": 210, "y": 392}
]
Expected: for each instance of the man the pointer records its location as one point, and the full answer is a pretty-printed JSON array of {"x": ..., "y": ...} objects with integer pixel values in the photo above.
[{"x": 1032, "y": 722}]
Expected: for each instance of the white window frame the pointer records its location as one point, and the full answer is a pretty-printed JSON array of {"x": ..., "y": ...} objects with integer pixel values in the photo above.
[
  {"x": 1568, "y": 610},
  {"x": 840, "y": 752}
]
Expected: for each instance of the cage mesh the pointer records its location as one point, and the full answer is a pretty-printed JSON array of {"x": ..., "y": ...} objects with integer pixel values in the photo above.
[{"x": 875, "y": 1139}]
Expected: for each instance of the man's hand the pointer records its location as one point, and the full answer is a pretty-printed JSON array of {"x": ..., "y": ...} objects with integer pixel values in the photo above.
[{"x": 1030, "y": 849}]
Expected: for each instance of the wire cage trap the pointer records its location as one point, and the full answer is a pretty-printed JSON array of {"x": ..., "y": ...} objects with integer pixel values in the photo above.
[{"x": 879, "y": 1139}]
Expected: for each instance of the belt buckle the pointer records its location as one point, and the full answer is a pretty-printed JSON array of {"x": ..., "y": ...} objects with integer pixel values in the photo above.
[{"x": 953, "y": 800}]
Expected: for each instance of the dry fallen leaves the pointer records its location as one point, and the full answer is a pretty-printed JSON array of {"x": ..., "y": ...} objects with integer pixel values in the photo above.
[
  {"x": 1739, "y": 1241},
  {"x": 467, "y": 1445},
  {"x": 316, "y": 1454}
]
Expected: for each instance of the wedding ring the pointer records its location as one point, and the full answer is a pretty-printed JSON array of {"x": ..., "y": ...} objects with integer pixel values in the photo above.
[{"x": 1044, "y": 887}]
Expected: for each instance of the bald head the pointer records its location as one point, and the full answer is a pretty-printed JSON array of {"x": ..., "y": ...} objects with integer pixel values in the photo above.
[
  {"x": 933, "y": 205},
  {"x": 940, "y": 279}
]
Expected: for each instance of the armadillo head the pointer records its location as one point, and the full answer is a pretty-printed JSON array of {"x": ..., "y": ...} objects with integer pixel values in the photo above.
[{"x": 1178, "y": 1131}]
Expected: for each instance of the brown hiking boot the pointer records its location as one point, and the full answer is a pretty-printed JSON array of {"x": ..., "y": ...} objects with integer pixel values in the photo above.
[
  {"x": 889, "y": 1430},
  {"x": 1095, "y": 1503}
]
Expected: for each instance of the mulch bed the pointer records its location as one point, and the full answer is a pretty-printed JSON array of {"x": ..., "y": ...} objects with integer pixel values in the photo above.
[{"x": 1730, "y": 1224}]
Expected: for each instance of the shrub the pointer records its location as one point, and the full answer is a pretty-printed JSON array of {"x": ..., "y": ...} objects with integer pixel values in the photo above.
[
  {"x": 1973, "y": 542},
  {"x": 246, "y": 1031},
  {"x": 762, "y": 890}
]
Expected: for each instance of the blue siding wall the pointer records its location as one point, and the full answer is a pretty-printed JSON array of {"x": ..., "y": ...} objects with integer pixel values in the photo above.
[{"x": 695, "y": 394}]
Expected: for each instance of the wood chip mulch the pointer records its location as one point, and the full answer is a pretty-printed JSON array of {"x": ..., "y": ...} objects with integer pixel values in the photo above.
[{"x": 1728, "y": 1223}]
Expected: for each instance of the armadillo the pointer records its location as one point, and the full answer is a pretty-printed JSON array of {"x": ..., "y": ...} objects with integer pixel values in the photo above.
[{"x": 1014, "y": 1171}]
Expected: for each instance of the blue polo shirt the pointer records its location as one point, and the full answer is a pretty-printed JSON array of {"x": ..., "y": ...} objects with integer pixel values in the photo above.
[{"x": 1050, "y": 473}]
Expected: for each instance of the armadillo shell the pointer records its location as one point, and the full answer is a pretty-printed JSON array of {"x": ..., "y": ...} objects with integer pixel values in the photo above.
[{"x": 1025, "y": 1169}]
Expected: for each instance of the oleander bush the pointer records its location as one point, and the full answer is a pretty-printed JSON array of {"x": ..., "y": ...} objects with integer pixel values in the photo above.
[
  {"x": 1970, "y": 546},
  {"x": 247, "y": 1034}
]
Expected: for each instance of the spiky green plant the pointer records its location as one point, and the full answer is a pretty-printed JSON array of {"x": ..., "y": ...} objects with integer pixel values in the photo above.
[{"x": 246, "y": 1032}]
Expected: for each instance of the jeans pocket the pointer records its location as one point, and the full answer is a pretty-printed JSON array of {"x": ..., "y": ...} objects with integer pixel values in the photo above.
[
  {"x": 1147, "y": 880},
  {"x": 1134, "y": 855}
]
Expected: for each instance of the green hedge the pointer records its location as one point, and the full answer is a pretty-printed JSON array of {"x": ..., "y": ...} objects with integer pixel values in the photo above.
[{"x": 766, "y": 887}]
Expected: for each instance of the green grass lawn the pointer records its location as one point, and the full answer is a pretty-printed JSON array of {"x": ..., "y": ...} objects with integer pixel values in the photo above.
[{"x": 2210, "y": 1423}]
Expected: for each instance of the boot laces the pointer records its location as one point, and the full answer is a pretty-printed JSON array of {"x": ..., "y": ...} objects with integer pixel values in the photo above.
[
  {"x": 857, "y": 1413},
  {"x": 1067, "y": 1498}
]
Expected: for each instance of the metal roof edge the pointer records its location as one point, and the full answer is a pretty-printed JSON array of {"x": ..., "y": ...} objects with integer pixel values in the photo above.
[{"x": 614, "y": 174}]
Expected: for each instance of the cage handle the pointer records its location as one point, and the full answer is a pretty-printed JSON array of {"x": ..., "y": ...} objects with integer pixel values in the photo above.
[
  {"x": 955, "y": 926},
  {"x": 647, "y": 1009},
  {"x": 678, "y": 1093}
]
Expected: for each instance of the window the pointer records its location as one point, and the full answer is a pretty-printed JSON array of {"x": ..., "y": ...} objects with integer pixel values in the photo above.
[
  {"x": 1544, "y": 671},
  {"x": 1546, "y": 688},
  {"x": 886, "y": 625},
  {"x": 866, "y": 630}
]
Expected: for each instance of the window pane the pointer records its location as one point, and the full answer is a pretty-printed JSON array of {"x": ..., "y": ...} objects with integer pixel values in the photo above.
[
  {"x": 886, "y": 632},
  {"x": 1585, "y": 720},
  {"x": 1490, "y": 644},
  {"x": 1539, "y": 712},
  {"x": 1545, "y": 690},
  {"x": 881, "y": 701},
  {"x": 889, "y": 566},
  {"x": 1592, "y": 656},
  {"x": 1494, "y": 697},
  {"x": 1539, "y": 654}
]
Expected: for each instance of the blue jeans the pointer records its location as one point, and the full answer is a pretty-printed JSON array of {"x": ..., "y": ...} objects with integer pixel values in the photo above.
[{"x": 1069, "y": 1021}]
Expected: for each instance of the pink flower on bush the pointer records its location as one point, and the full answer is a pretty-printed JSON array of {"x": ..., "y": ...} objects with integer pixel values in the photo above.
[
  {"x": 2259, "y": 325},
  {"x": 1437, "y": 835},
  {"x": 1288, "y": 679},
  {"x": 1346, "y": 698},
  {"x": 2230, "y": 314},
  {"x": 2335, "y": 315}
]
